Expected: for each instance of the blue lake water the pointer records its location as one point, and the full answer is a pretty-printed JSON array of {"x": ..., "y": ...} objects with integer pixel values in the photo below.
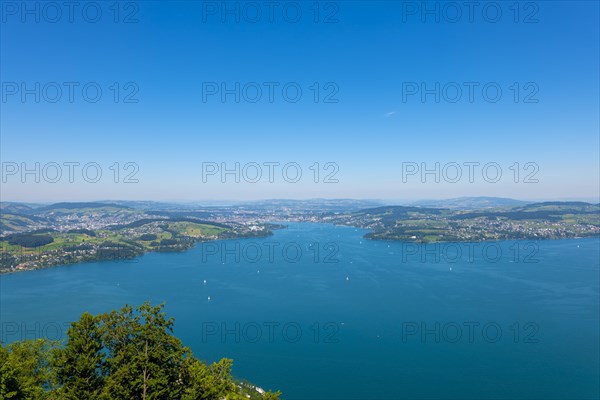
[{"x": 318, "y": 312}]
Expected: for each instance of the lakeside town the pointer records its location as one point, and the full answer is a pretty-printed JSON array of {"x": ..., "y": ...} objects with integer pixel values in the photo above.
[
  {"x": 67, "y": 233},
  {"x": 533, "y": 222}
]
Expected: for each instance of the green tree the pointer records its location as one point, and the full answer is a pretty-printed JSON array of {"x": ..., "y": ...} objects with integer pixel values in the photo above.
[
  {"x": 79, "y": 364},
  {"x": 198, "y": 381},
  {"x": 9, "y": 383},
  {"x": 222, "y": 381},
  {"x": 212, "y": 382},
  {"x": 121, "y": 355},
  {"x": 144, "y": 360},
  {"x": 25, "y": 370},
  {"x": 271, "y": 395}
]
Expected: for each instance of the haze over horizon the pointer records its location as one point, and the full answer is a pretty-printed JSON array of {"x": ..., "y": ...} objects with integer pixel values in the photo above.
[{"x": 219, "y": 202}]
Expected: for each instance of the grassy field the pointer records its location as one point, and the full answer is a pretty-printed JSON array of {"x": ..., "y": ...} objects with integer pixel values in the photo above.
[{"x": 168, "y": 230}]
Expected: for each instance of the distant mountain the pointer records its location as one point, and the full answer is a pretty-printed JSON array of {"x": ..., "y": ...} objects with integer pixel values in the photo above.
[
  {"x": 70, "y": 207},
  {"x": 471, "y": 203},
  {"x": 11, "y": 223},
  {"x": 561, "y": 206},
  {"x": 319, "y": 205},
  {"x": 14, "y": 208},
  {"x": 398, "y": 211},
  {"x": 145, "y": 205},
  {"x": 388, "y": 215},
  {"x": 306, "y": 205}
]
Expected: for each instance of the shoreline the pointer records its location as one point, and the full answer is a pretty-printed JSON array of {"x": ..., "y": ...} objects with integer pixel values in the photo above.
[{"x": 278, "y": 226}]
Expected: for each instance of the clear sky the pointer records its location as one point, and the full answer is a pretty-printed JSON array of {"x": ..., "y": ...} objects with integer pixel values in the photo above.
[{"x": 369, "y": 112}]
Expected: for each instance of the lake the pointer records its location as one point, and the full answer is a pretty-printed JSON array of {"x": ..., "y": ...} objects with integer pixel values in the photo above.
[{"x": 321, "y": 313}]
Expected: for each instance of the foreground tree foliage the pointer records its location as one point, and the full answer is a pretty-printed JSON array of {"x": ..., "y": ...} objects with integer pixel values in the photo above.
[
  {"x": 121, "y": 355},
  {"x": 25, "y": 370}
]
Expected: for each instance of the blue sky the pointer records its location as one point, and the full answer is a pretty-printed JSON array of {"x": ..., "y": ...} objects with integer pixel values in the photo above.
[{"x": 363, "y": 58}]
